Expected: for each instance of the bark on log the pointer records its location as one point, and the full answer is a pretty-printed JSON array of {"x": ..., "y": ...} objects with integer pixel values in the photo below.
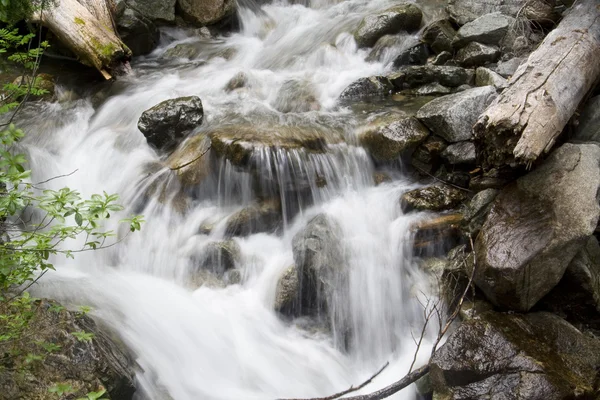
[
  {"x": 102, "y": 10},
  {"x": 93, "y": 39},
  {"x": 545, "y": 91}
]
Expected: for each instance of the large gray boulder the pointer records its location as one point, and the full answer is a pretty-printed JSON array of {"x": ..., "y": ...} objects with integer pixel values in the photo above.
[
  {"x": 261, "y": 217},
  {"x": 439, "y": 35},
  {"x": 138, "y": 32},
  {"x": 166, "y": 124},
  {"x": 452, "y": 117},
  {"x": 487, "y": 29},
  {"x": 464, "y": 11},
  {"x": 206, "y": 12},
  {"x": 161, "y": 11},
  {"x": 475, "y": 54},
  {"x": 460, "y": 153},
  {"x": 405, "y": 17},
  {"x": 418, "y": 75},
  {"x": 588, "y": 129},
  {"x": 364, "y": 88},
  {"x": 536, "y": 356},
  {"x": 87, "y": 365},
  {"x": 537, "y": 225},
  {"x": 390, "y": 136},
  {"x": 319, "y": 258}
]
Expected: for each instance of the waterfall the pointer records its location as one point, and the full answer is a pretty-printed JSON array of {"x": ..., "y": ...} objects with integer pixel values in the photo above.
[{"x": 226, "y": 341}]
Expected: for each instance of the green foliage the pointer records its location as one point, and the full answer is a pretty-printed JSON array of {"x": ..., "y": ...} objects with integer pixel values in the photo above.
[{"x": 13, "y": 11}]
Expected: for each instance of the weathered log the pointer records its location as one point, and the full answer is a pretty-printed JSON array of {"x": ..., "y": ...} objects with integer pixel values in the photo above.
[
  {"x": 87, "y": 32},
  {"x": 102, "y": 10},
  {"x": 545, "y": 91}
]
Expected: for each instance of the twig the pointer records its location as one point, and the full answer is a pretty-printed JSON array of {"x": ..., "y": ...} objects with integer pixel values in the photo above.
[
  {"x": 56, "y": 177},
  {"x": 442, "y": 181},
  {"x": 351, "y": 388},
  {"x": 190, "y": 162},
  {"x": 394, "y": 387}
]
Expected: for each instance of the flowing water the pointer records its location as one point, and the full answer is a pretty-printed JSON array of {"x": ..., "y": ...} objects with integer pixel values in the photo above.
[{"x": 226, "y": 342}]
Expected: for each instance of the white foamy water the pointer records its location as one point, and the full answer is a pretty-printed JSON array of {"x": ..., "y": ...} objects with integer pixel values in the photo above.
[{"x": 227, "y": 342}]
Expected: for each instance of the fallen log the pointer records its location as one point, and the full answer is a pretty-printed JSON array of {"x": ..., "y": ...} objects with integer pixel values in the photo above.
[
  {"x": 88, "y": 32},
  {"x": 545, "y": 91}
]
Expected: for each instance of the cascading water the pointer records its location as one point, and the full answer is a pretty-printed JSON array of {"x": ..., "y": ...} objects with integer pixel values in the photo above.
[{"x": 226, "y": 342}]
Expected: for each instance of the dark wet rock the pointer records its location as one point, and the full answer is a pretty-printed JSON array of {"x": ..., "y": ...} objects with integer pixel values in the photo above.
[
  {"x": 577, "y": 296},
  {"x": 452, "y": 117},
  {"x": 588, "y": 129},
  {"x": 297, "y": 96},
  {"x": 427, "y": 156},
  {"x": 87, "y": 366},
  {"x": 491, "y": 179},
  {"x": 219, "y": 257},
  {"x": 261, "y": 217},
  {"x": 162, "y": 11},
  {"x": 487, "y": 77},
  {"x": 415, "y": 55},
  {"x": 477, "y": 210},
  {"x": 536, "y": 356},
  {"x": 436, "y": 235},
  {"x": 287, "y": 291},
  {"x": 364, "y": 88},
  {"x": 487, "y": 29},
  {"x": 415, "y": 76},
  {"x": 430, "y": 89},
  {"x": 537, "y": 225},
  {"x": 136, "y": 30},
  {"x": 507, "y": 68},
  {"x": 475, "y": 54},
  {"x": 319, "y": 257},
  {"x": 464, "y": 11},
  {"x": 238, "y": 143},
  {"x": 405, "y": 17},
  {"x": 454, "y": 176},
  {"x": 381, "y": 177},
  {"x": 166, "y": 124},
  {"x": 191, "y": 161},
  {"x": 190, "y": 50},
  {"x": 460, "y": 153},
  {"x": 206, "y": 12},
  {"x": 239, "y": 81},
  {"x": 384, "y": 45},
  {"x": 439, "y": 35},
  {"x": 437, "y": 197},
  {"x": 442, "y": 58},
  {"x": 391, "y": 135}
]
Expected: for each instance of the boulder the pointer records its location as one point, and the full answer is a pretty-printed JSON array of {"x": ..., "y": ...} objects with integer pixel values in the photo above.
[
  {"x": 390, "y": 136},
  {"x": 297, "y": 96},
  {"x": 415, "y": 55},
  {"x": 464, "y": 11},
  {"x": 87, "y": 365},
  {"x": 405, "y": 17},
  {"x": 477, "y": 210},
  {"x": 364, "y": 88},
  {"x": 261, "y": 217},
  {"x": 437, "y": 234},
  {"x": 161, "y": 11},
  {"x": 189, "y": 50},
  {"x": 487, "y": 29},
  {"x": 437, "y": 197},
  {"x": 442, "y": 58},
  {"x": 206, "y": 12},
  {"x": 536, "y": 356},
  {"x": 166, "y": 124},
  {"x": 137, "y": 31},
  {"x": 439, "y": 36},
  {"x": 385, "y": 44},
  {"x": 537, "y": 225},
  {"x": 427, "y": 156},
  {"x": 415, "y": 76},
  {"x": 319, "y": 257},
  {"x": 191, "y": 162},
  {"x": 380, "y": 178},
  {"x": 219, "y": 257},
  {"x": 238, "y": 143},
  {"x": 487, "y": 77},
  {"x": 507, "y": 68},
  {"x": 239, "y": 81},
  {"x": 287, "y": 291},
  {"x": 588, "y": 129},
  {"x": 475, "y": 54},
  {"x": 460, "y": 153},
  {"x": 452, "y": 117}
]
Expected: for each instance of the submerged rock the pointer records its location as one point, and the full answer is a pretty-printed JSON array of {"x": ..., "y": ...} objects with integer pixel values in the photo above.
[
  {"x": 189, "y": 50},
  {"x": 287, "y": 291},
  {"x": 166, "y": 124},
  {"x": 219, "y": 257},
  {"x": 432, "y": 198},
  {"x": 537, "y": 225},
  {"x": 536, "y": 356},
  {"x": 475, "y": 54},
  {"x": 415, "y": 76},
  {"x": 452, "y": 117},
  {"x": 206, "y": 12},
  {"x": 384, "y": 44},
  {"x": 487, "y": 29},
  {"x": 297, "y": 97},
  {"x": 364, "y": 88},
  {"x": 391, "y": 135},
  {"x": 191, "y": 161},
  {"x": 405, "y": 17},
  {"x": 262, "y": 217},
  {"x": 239, "y": 81},
  {"x": 85, "y": 365},
  {"x": 439, "y": 35}
]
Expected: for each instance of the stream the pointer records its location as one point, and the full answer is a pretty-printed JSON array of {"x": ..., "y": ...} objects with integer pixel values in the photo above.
[{"x": 226, "y": 341}]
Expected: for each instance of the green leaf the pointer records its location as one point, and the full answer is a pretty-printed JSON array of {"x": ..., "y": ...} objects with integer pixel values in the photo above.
[{"x": 78, "y": 219}]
